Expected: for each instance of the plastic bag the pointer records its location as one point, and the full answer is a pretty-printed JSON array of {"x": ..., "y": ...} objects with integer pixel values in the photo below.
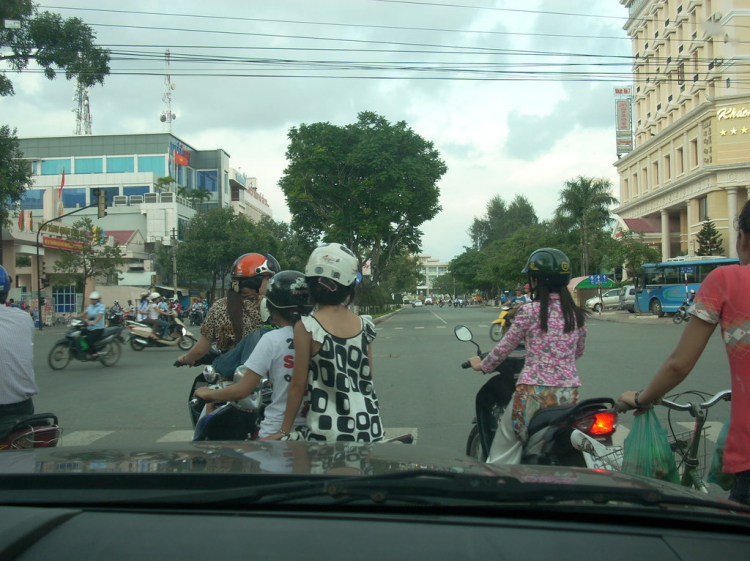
[
  {"x": 646, "y": 451},
  {"x": 715, "y": 474}
]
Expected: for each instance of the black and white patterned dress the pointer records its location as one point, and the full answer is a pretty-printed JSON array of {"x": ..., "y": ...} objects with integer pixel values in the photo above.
[{"x": 343, "y": 404}]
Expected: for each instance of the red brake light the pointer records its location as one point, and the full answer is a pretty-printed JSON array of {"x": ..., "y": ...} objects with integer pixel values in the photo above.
[{"x": 599, "y": 424}]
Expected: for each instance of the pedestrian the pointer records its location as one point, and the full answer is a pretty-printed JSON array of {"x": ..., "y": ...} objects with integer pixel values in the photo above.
[
  {"x": 17, "y": 382},
  {"x": 94, "y": 317},
  {"x": 230, "y": 319},
  {"x": 723, "y": 299},
  {"x": 333, "y": 362},
  {"x": 554, "y": 330}
]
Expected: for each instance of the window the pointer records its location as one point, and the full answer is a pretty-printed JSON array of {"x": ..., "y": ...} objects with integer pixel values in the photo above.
[
  {"x": 681, "y": 73},
  {"x": 32, "y": 199},
  {"x": 694, "y": 153},
  {"x": 190, "y": 178},
  {"x": 73, "y": 198},
  {"x": 124, "y": 164},
  {"x": 89, "y": 165},
  {"x": 624, "y": 192},
  {"x": 110, "y": 192},
  {"x": 703, "y": 209},
  {"x": 655, "y": 174},
  {"x": 128, "y": 191},
  {"x": 644, "y": 179},
  {"x": 64, "y": 299},
  {"x": 153, "y": 164},
  {"x": 226, "y": 182},
  {"x": 680, "y": 163},
  {"x": 635, "y": 185},
  {"x": 207, "y": 180},
  {"x": 667, "y": 171},
  {"x": 55, "y": 167}
]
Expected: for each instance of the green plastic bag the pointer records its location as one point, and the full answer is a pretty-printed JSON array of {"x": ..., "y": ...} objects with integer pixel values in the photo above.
[
  {"x": 646, "y": 451},
  {"x": 84, "y": 344},
  {"x": 715, "y": 474}
]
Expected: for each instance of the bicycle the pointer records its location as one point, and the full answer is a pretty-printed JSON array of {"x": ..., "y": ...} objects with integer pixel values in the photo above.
[{"x": 686, "y": 445}]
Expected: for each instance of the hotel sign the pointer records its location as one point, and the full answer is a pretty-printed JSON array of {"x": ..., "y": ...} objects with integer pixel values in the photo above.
[{"x": 732, "y": 113}]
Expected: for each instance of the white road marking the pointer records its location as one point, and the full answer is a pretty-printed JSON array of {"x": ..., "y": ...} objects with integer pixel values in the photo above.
[
  {"x": 177, "y": 436},
  {"x": 437, "y": 316},
  {"x": 398, "y": 328},
  {"x": 440, "y": 326},
  {"x": 392, "y": 433},
  {"x": 83, "y": 437},
  {"x": 482, "y": 325},
  {"x": 419, "y": 327}
]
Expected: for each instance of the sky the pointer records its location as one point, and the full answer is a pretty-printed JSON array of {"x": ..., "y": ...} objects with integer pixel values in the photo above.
[{"x": 481, "y": 79}]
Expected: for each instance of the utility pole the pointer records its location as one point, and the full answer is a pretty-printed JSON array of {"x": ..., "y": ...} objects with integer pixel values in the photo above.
[{"x": 174, "y": 261}]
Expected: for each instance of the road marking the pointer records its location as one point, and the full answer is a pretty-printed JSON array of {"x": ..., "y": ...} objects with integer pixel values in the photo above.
[
  {"x": 177, "y": 436},
  {"x": 83, "y": 437},
  {"x": 437, "y": 316},
  {"x": 392, "y": 433},
  {"x": 398, "y": 328},
  {"x": 419, "y": 327},
  {"x": 482, "y": 325},
  {"x": 440, "y": 326}
]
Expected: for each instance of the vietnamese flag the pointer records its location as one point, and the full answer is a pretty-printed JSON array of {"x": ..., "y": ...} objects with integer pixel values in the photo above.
[
  {"x": 21, "y": 216},
  {"x": 62, "y": 184},
  {"x": 180, "y": 160}
]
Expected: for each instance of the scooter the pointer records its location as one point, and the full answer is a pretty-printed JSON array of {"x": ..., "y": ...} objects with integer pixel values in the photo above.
[
  {"x": 682, "y": 313},
  {"x": 555, "y": 433},
  {"x": 29, "y": 431},
  {"x": 141, "y": 336},
  {"x": 108, "y": 347},
  {"x": 195, "y": 317},
  {"x": 115, "y": 318},
  {"x": 502, "y": 324}
]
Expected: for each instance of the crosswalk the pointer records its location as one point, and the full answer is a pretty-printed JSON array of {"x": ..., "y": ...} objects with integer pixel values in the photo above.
[{"x": 100, "y": 437}]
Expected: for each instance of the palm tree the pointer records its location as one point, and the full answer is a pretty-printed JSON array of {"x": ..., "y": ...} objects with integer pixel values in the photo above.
[
  {"x": 584, "y": 210},
  {"x": 164, "y": 183}
]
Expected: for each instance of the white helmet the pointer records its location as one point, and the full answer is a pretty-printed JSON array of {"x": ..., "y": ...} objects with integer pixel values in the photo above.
[
  {"x": 95, "y": 296},
  {"x": 155, "y": 295},
  {"x": 333, "y": 261}
]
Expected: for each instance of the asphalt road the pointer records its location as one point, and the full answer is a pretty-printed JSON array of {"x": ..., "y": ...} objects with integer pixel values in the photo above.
[{"x": 418, "y": 378}]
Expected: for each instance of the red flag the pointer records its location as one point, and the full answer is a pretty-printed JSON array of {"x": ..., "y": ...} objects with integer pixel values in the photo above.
[
  {"x": 62, "y": 184},
  {"x": 20, "y": 220},
  {"x": 180, "y": 160}
]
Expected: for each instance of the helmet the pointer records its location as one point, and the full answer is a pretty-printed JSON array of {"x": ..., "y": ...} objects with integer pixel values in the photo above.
[
  {"x": 287, "y": 289},
  {"x": 549, "y": 266},
  {"x": 4, "y": 280},
  {"x": 154, "y": 295},
  {"x": 249, "y": 269},
  {"x": 116, "y": 302},
  {"x": 333, "y": 261},
  {"x": 144, "y": 294},
  {"x": 95, "y": 296},
  {"x": 692, "y": 291}
]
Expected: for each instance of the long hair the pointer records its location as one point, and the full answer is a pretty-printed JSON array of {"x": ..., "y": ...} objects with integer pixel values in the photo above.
[
  {"x": 236, "y": 305},
  {"x": 573, "y": 315}
]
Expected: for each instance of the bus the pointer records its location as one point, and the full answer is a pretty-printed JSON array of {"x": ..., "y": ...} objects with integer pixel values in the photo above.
[{"x": 662, "y": 287}]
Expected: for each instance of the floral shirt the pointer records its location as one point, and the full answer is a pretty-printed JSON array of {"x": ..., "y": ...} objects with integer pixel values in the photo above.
[
  {"x": 724, "y": 298},
  {"x": 550, "y": 357},
  {"x": 217, "y": 327}
]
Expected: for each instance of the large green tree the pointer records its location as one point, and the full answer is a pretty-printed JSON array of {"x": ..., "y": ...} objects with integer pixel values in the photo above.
[
  {"x": 631, "y": 252},
  {"x": 501, "y": 220},
  {"x": 404, "y": 274},
  {"x": 709, "y": 239},
  {"x": 93, "y": 261},
  {"x": 293, "y": 249},
  {"x": 54, "y": 43},
  {"x": 15, "y": 176},
  {"x": 584, "y": 212},
  {"x": 369, "y": 185}
]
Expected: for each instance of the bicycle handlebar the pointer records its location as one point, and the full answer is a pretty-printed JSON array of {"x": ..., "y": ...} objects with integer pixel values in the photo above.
[{"x": 725, "y": 395}]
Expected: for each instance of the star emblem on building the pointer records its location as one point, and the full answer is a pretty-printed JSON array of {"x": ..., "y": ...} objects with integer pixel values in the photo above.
[
  {"x": 733, "y": 131},
  {"x": 744, "y": 130},
  {"x": 722, "y": 132}
]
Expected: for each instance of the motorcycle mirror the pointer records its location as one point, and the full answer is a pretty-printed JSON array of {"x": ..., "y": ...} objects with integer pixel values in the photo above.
[{"x": 462, "y": 333}]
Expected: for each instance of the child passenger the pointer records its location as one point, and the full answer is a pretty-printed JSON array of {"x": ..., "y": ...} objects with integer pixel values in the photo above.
[
  {"x": 333, "y": 358},
  {"x": 286, "y": 299}
]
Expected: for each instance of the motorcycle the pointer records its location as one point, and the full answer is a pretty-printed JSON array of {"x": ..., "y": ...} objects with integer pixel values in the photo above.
[
  {"x": 29, "y": 431},
  {"x": 141, "y": 336},
  {"x": 195, "y": 317},
  {"x": 556, "y": 433},
  {"x": 115, "y": 318},
  {"x": 502, "y": 324},
  {"x": 682, "y": 313},
  {"x": 108, "y": 347}
]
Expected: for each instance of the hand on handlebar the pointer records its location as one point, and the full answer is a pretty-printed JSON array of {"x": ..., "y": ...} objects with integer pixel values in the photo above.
[{"x": 475, "y": 362}]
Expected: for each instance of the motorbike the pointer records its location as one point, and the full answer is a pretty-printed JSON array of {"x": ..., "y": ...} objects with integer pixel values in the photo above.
[
  {"x": 502, "y": 324},
  {"x": 141, "y": 336},
  {"x": 682, "y": 313},
  {"x": 29, "y": 431},
  {"x": 108, "y": 347},
  {"x": 556, "y": 433},
  {"x": 115, "y": 318},
  {"x": 195, "y": 317}
]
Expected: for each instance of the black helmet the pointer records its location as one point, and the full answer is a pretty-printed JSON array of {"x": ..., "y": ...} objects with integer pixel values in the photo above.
[
  {"x": 548, "y": 266},
  {"x": 288, "y": 289}
]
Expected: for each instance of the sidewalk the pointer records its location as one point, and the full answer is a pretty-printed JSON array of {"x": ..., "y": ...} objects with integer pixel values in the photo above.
[{"x": 621, "y": 316}]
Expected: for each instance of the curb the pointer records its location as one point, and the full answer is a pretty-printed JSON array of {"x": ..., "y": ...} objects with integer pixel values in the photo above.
[
  {"x": 381, "y": 319},
  {"x": 630, "y": 318}
]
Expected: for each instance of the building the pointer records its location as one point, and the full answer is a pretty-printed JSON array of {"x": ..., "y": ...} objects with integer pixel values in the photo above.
[
  {"x": 691, "y": 157},
  {"x": 431, "y": 269},
  {"x": 141, "y": 209}
]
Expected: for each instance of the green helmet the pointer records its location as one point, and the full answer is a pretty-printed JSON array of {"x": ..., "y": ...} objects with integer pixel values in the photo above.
[{"x": 549, "y": 266}]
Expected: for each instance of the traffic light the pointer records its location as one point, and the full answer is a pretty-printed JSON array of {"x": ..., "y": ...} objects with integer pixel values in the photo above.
[
  {"x": 101, "y": 202},
  {"x": 45, "y": 281}
]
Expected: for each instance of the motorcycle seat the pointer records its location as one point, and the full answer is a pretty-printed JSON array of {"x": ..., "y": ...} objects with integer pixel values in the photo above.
[
  {"x": 109, "y": 331},
  {"x": 547, "y": 416}
]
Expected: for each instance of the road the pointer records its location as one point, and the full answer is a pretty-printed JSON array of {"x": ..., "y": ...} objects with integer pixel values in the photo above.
[{"x": 417, "y": 372}]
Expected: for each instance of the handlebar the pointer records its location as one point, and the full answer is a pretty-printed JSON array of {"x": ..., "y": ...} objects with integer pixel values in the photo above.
[
  {"x": 465, "y": 364},
  {"x": 725, "y": 395}
]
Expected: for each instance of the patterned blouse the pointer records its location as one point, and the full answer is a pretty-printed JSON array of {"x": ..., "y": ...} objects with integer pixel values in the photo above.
[
  {"x": 217, "y": 327},
  {"x": 550, "y": 357}
]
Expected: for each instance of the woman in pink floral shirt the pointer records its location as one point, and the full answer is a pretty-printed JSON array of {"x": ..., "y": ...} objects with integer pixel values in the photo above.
[{"x": 554, "y": 331}]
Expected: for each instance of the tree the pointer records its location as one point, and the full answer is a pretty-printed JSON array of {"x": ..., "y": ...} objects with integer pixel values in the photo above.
[
  {"x": 93, "y": 261},
  {"x": 631, "y": 252},
  {"x": 369, "y": 185},
  {"x": 584, "y": 211},
  {"x": 501, "y": 220},
  {"x": 293, "y": 248},
  {"x": 709, "y": 239},
  {"x": 196, "y": 196},
  {"x": 165, "y": 184},
  {"x": 52, "y": 42},
  {"x": 15, "y": 176},
  {"x": 404, "y": 274},
  {"x": 465, "y": 268}
]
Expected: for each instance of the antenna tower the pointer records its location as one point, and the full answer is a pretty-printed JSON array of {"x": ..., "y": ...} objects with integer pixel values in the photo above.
[
  {"x": 82, "y": 109},
  {"x": 167, "y": 116}
]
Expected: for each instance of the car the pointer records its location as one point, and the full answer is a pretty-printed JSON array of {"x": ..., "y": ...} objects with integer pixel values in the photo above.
[
  {"x": 428, "y": 302},
  {"x": 627, "y": 298},
  {"x": 416, "y": 304},
  {"x": 610, "y": 299}
]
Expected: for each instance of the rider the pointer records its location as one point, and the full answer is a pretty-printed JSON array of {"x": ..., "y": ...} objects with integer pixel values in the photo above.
[
  {"x": 285, "y": 301},
  {"x": 230, "y": 319},
  {"x": 94, "y": 315},
  {"x": 725, "y": 300},
  {"x": 17, "y": 384},
  {"x": 142, "y": 314},
  {"x": 116, "y": 308},
  {"x": 155, "y": 311},
  {"x": 129, "y": 309},
  {"x": 554, "y": 330}
]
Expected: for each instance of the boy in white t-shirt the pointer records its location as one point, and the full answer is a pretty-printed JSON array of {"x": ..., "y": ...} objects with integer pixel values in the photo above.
[{"x": 285, "y": 300}]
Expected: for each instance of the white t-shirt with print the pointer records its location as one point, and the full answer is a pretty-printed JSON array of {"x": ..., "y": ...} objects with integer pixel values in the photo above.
[{"x": 273, "y": 357}]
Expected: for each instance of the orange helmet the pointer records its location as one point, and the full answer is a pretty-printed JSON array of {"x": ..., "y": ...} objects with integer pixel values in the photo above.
[{"x": 249, "y": 269}]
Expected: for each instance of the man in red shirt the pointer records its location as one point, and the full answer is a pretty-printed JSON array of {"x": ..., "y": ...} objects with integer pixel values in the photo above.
[{"x": 723, "y": 299}]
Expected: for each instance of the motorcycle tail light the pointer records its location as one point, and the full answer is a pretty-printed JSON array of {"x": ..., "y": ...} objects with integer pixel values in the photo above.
[
  {"x": 598, "y": 424},
  {"x": 37, "y": 437}
]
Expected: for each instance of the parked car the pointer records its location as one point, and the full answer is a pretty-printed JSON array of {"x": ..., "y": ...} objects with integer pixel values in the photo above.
[
  {"x": 627, "y": 298},
  {"x": 610, "y": 299}
]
